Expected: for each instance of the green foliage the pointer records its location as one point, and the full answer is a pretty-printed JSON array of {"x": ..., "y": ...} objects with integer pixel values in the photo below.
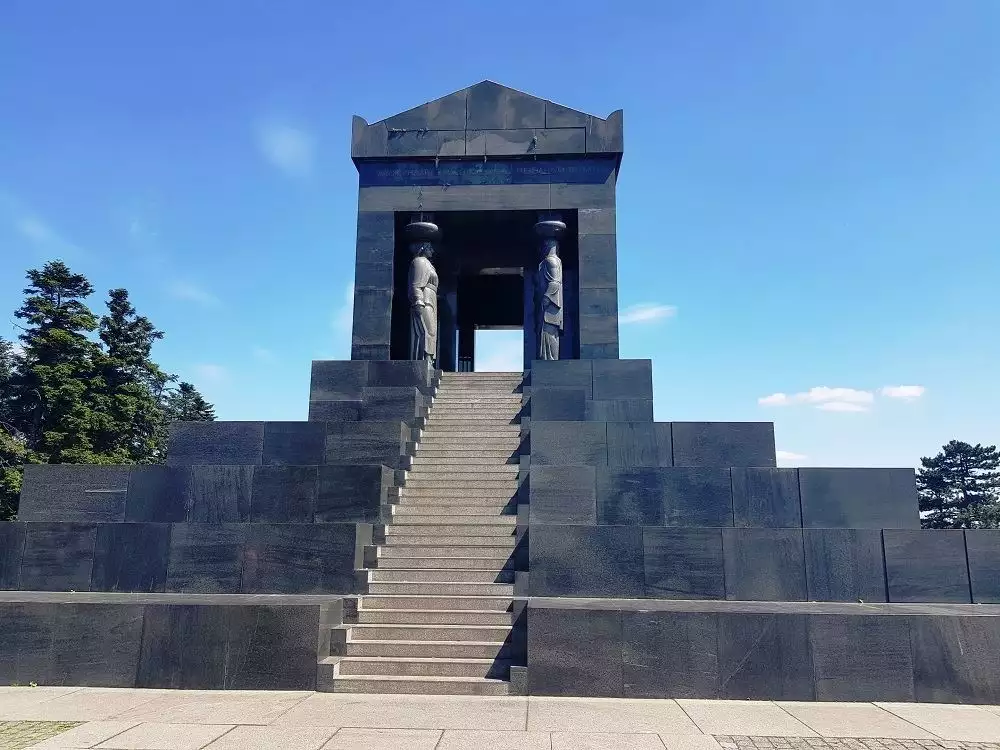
[
  {"x": 959, "y": 488},
  {"x": 68, "y": 398}
]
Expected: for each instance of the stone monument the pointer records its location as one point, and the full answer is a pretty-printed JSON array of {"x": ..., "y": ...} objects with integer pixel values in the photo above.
[
  {"x": 550, "y": 290},
  {"x": 437, "y": 530}
]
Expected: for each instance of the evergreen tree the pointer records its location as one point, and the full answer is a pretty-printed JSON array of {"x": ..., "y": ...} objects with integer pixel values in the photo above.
[
  {"x": 958, "y": 488},
  {"x": 187, "y": 405},
  {"x": 13, "y": 446}
]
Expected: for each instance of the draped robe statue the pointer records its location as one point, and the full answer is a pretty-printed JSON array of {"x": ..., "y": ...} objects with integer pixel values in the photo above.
[
  {"x": 550, "y": 298},
  {"x": 423, "y": 286}
]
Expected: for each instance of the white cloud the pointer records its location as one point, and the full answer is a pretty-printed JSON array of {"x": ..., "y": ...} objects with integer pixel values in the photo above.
[
  {"x": 43, "y": 236},
  {"x": 790, "y": 456},
  {"x": 646, "y": 312},
  {"x": 264, "y": 355},
  {"x": 500, "y": 351},
  {"x": 185, "y": 290},
  {"x": 823, "y": 397},
  {"x": 211, "y": 374},
  {"x": 290, "y": 149},
  {"x": 904, "y": 392}
]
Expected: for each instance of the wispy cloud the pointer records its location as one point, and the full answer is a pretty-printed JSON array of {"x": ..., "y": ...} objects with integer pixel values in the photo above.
[
  {"x": 824, "y": 398},
  {"x": 290, "y": 149},
  {"x": 264, "y": 355},
  {"x": 211, "y": 373},
  {"x": 646, "y": 312},
  {"x": 43, "y": 236},
  {"x": 785, "y": 456},
  {"x": 904, "y": 392},
  {"x": 185, "y": 290}
]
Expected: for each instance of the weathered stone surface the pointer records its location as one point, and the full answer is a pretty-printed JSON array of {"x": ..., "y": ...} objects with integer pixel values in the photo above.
[
  {"x": 58, "y": 556},
  {"x": 672, "y": 655},
  {"x": 217, "y": 494},
  {"x": 351, "y": 493},
  {"x": 926, "y": 565},
  {"x": 983, "y": 547},
  {"x": 764, "y": 564},
  {"x": 766, "y": 498},
  {"x": 557, "y": 665},
  {"x": 683, "y": 563},
  {"x": 62, "y": 492},
  {"x": 586, "y": 561},
  {"x": 861, "y": 658},
  {"x": 206, "y": 558},
  {"x": 131, "y": 557},
  {"x": 858, "y": 498},
  {"x": 215, "y": 443},
  {"x": 563, "y": 495},
  {"x": 765, "y": 657},
  {"x": 727, "y": 444},
  {"x": 844, "y": 565}
]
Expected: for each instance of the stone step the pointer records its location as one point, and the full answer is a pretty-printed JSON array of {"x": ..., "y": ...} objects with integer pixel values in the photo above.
[
  {"x": 494, "y": 491},
  {"x": 430, "y": 575},
  {"x": 458, "y": 455},
  {"x": 417, "y": 501},
  {"x": 505, "y": 421},
  {"x": 405, "y": 541},
  {"x": 403, "y": 513},
  {"x": 455, "y": 633},
  {"x": 411, "y": 588},
  {"x": 377, "y": 684},
  {"x": 470, "y": 486},
  {"x": 483, "y": 520},
  {"x": 430, "y": 649},
  {"x": 446, "y": 466},
  {"x": 433, "y": 617},
  {"x": 494, "y": 564},
  {"x": 397, "y": 601},
  {"x": 423, "y": 667},
  {"x": 499, "y": 551},
  {"x": 470, "y": 463},
  {"x": 443, "y": 442},
  {"x": 472, "y": 529}
]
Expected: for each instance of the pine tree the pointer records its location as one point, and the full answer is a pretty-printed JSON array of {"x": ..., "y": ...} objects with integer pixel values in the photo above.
[
  {"x": 13, "y": 446},
  {"x": 187, "y": 404},
  {"x": 958, "y": 488}
]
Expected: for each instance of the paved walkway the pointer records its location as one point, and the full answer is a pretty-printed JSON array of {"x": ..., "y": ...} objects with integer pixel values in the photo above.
[{"x": 119, "y": 719}]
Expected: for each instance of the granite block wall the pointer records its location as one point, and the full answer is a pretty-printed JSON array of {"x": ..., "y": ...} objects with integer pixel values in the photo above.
[{"x": 363, "y": 390}]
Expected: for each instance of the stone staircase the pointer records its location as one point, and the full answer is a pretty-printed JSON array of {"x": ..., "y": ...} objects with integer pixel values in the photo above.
[{"x": 437, "y": 616}]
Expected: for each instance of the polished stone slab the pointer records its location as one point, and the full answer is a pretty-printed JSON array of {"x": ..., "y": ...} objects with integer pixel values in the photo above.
[
  {"x": 983, "y": 548},
  {"x": 284, "y": 494},
  {"x": 215, "y": 443},
  {"x": 64, "y": 492},
  {"x": 557, "y": 665},
  {"x": 956, "y": 659},
  {"x": 206, "y": 558},
  {"x": 928, "y": 565},
  {"x": 299, "y": 558},
  {"x": 766, "y": 498},
  {"x": 764, "y": 564},
  {"x": 724, "y": 444},
  {"x": 585, "y": 560},
  {"x": 858, "y": 498},
  {"x": 764, "y": 656},
  {"x": 683, "y": 563},
  {"x": 845, "y": 565},
  {"x": 131, "y": 557},
  {"x": 562, "y": 495},
  {"x": 293, "y": 443},
  {"x": 58, "y": 556},
  {"x": 672, "y": 656},
  {"x": 11, "y": 550},
  {"x": 219, "y": 494},
  {"x": 861, "y": 658},
  {"x": 581, "y": 443}
]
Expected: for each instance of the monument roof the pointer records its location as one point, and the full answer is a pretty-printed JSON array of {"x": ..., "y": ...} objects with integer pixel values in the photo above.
[{"x": 487, "y": 119}]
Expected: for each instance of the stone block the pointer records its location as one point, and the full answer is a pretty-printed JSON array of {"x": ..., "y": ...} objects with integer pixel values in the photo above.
[
  {"x": 599, "y": 336},
  {"x": 501, "y": 142},
  {"x": 299, "y": 559},
  {"x": 670, "y": 655},
  {"x": 724, "y": 444},
  {"x": 599, "y": 300},
  {"x": 371, "y": 317},
  {"x": 381, "y": 442},
  {"x": 764, "y": 564},
  {"x": 859, "y": 498},
  {"x": 582, "y": 443},
  {"x": 577, "y": 196},
  {"x": 375, "y": 250},
  {"x": 283, "y": 494},
  {"x": 381, "y": 404},
  {"x": 637, "y": 444},
  {"x": 586, "y": 561},
  {"x": 632, "y": 496},
  {"x": 697, "y": 496},
  {"x": 623, "y": 379},
  {"x": 599, "y": 351},
  {"x": 765, "y": 657},
  {"x": 271, "y": 648},
  {"x": 563, "y": 495},
  {"x": 62, "y": 492},
  {"x": 368, "y": 140},
  {"x": 131, "y": 557},
  {"x": 370, "y": 351},
  {"x": 400, "y": 373},
  {"x": 293, "y": 443},
  {"x": 409, "y": 143},
  {"x": 337, "y": 380},
  {"x": 217, "y": 494},
  {"x": 620, "y": 410},
  {"x": 926, "y": 565},
  {"x": 559, "y": 116},
  {"x": 184, "y": 647},
  {"x": 766, "y": 498},
  {"x": 683, "y": 563},
  {"x": 157, "y": 494},
  {"x": 983, "y": 548},
  {"x": 596, "y": 221},
  {"x": 605, "y": 136},
  {"x": 557, "y": 404},
  {"x": 215, "y": 443},
  {"x": 844, "y": 565},
  {"x": 861, "y": 658},
  {"x": 11, "y": 549},
  {"x": 58, "y": 556},
  {"x": 598, "y": 260},
  {"x": 369, "y": 275},
  {"x": 206, "y": 558},
  {"x": 376, "y": 226},
  {"x": 956, "y": 659},
  {"x": 352, "y": 493},
  {"x": 566, "y": 373},
  {"x": 486, "y": 106},
  {"x": 446, "y": 113},
  {"x": 335, "y": 411},
  {"x": 557, "y": 662},
  {"x": 560, "y": 141},
  {"x": 92, "y": 645},
  {"x": 523, "y": 110}
]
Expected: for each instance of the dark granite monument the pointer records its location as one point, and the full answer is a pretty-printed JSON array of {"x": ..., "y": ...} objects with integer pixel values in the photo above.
[{"x": 435, "y": 529}]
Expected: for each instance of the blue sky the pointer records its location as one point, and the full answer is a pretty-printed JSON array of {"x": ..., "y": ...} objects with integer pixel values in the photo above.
[{"x": 808, "y": 204}]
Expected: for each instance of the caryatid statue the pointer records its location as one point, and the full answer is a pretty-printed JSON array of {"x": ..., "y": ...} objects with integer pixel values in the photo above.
[
  {"x": 549, "y": 289},
  {"x": 422, "y": 287}
]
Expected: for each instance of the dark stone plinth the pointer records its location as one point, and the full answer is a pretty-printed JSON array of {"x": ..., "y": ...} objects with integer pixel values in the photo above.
[
  {"x": 183, "y": 647},
  {"x": 217, "y": 494},
  {"x": 859, "y": 498},
  {"x": 983, "y": 547},
  {"x": 299, "y": 558},
  {"x": 284, "y": 494},
  {"x": 765, "y": 656},
  {"x": 215, "y": 443},
  {"x": 582, "y": 443},
  {"x": 157, "y": 494},
  {"x": 566, "y": 373},
  {"x": 58, "y": 556},
  {"x": 675, "y": 656},
  {"x": 764, "y": 564},
  {"x": 861, "y": 658},
  {"x": 57, "y": 492},
  {"x": 683, "y": 563},
  {"x": 557, "y": 404},
  {"x": 725, "y": 444},
  {"x": 11, "y": 550},
  {"x": 294, "y": 443},
  {"x": 575, "y": 653},
  {"x": 927, "y": 565},
  {"x": 639, "y": 444},
  {"x": 667, "y": 496},
  {"x": 366, "y": 442},
  {"x": 206, "y": 558},
  {"x": 335, "y": 411},
  {"x": 620, "y": 410},
  {"x": 562, "y": 495},
  {"x": 955, "y": 659},
  {"x": 844, "y": 565},
  {"x": 766, "y": 498},
  {"x": 131, "y": 557},
  {"x": 586, "y": 561},
  {"x": 338, "y": 380},
  {"x": 271, "y": 648},
  {"x": 403, "y": 403},
  {"x": 399, "y": 373},
  {"x": 351, "y": 493},
  {"x": 633, "y": 496},
  {"x": 623, "y": 379}
]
